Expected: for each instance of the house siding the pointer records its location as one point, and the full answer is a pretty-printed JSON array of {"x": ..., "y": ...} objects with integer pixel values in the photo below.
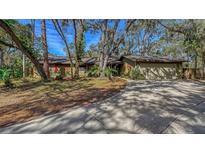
[
  {"x": 159, "y": 71},
  {"x": 154, "y": 70},
  {"x": 127, "y": 65}
]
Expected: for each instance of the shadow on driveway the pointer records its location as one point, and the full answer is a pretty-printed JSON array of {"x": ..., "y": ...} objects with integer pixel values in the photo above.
[{"x": 142, "y": 107}]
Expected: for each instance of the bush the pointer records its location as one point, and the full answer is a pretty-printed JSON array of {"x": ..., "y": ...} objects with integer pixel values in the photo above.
[
  {"x": 94, "y": 71},
  {"x": 135, "y": 74},
  {"x": 109, "y": 72},
  {"x": 5, "y": 75},
  {"x": 17, "y": 73}
]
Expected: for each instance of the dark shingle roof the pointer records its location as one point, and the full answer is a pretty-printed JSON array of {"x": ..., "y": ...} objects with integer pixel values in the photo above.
[
  {"x": 64, "y": 60},
  {"x": 154, "y": 59},
  {"x": 113, "y": 59}
]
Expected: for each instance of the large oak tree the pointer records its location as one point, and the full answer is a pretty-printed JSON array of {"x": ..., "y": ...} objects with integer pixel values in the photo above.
[{"x": 23, "y": 48}]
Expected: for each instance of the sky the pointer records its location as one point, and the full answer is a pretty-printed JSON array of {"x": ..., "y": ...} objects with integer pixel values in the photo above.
[{"x": 55, "y": 43}]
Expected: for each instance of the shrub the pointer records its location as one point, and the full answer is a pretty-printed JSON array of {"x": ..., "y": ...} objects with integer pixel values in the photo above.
[
  {"x": 109, "y": 72},
  {"x": 94, "y": 71},
  {"x": 17, "y": 73},
  {"x": 5, "y": 76},
  {"x": 135, "y": 74}
]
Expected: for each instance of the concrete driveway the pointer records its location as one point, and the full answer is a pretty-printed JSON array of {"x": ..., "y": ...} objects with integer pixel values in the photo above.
[{"x": 142, "y": 107}]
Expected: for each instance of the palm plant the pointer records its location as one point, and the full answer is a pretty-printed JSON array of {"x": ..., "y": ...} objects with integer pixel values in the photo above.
[
  {"x": 5, "y": 75},
  {"x": 94, "y": 71},
  {"x": 109, "y": 72},
  {"x": 135, "y": 74}
]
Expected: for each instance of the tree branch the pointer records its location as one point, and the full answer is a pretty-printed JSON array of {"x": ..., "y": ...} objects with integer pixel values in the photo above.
[
  {"x": 8, "y": 44},
  {"x": 170, "y": 28},
  {"x": 122, "y": 37},
  {"x": 23, "y": 48}
]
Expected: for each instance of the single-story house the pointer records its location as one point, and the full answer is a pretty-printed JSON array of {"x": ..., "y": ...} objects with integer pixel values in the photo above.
[
  {"x": 63, "y": 64},
  {"x": 152, "y": 67}
]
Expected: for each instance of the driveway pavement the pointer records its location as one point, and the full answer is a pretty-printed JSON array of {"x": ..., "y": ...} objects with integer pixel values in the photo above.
[{"x": 142, "y": 107}]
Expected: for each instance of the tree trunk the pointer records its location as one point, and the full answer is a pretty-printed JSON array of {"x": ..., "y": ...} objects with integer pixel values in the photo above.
[
  {"x": 33, "y": 30},
  {"x": 24, "y": 68},
  {"x": 33, "y": 23},
  {"x": 102, "y": 75},
  {"x": 203, "y": 65},
  {"x": 195, "y": 65},
  {"x": 1, "y": 58},
  {"x": 203, "y": 59},
  {"x": 101, "y": 60},
  {"x": 103, "y": 55},
  {"x": 60, "y": 32},
  {"x": 77, "y": 56},
  {"x": 45, "y": 48},
  {"x": 77, "y": 70},
  {"x": 23, "y": 49}
]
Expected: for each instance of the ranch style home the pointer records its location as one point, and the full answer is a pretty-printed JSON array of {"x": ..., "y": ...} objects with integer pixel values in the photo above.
[{"x": 152, "y": 68}]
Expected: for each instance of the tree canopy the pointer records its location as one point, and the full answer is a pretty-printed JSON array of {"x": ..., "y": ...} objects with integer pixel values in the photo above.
[{"x": 105, "y": 37}]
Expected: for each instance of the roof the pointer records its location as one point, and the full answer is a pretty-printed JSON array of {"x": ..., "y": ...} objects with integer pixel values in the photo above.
[
  {"x": 154, "y": 59},
  {"x": 112, "y": 60},
  {"x": 62, "y": 60},
  {"x": 65, "y": 61}
]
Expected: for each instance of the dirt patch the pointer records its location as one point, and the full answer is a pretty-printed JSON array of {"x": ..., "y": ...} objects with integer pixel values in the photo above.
[{"x": 33, "y": 99}]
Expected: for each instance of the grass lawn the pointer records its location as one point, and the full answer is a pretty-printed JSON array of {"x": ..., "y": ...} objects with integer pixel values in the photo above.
[{"x": 33, "y": 98}]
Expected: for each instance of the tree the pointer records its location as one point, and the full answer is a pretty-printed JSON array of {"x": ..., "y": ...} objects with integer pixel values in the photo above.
[
  {"x": 58, "y": 28},
  {"x": 79, "y": 29},
  {"x": 24, "y": 61},
  {"x": 33, "y": 23},
  {"x": 45, "y": 48},
  {"x": 111, "y": 39},
  {"x": 142, "y": 37},
  {"x": 193, "y": 32},
  {"x": 93, "y": 50},
  {"x": 19, "y": 44},
  {"x": 1, "y": 57}
]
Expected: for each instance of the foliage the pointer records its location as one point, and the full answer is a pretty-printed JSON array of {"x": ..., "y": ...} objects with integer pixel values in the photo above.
[
  {"x": 93, "y": 50},
  {"x": 17, "y": 72},
  {"x": 20, "y": 39},
  {"x": 94, "y": 71},
  {"x": 5, "y": 76},
  {"x": 187, "y": 36},
  {"x": 171, "y": 38},
  {"x": 23, "y": 32},
  {"x": 81, "y": 44},
  {"x": 13, "y": 60},
  {"x": 142, "y": 38},
  {"x": 110, "y": 71},
  {"x": 135, "y": 74}
]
